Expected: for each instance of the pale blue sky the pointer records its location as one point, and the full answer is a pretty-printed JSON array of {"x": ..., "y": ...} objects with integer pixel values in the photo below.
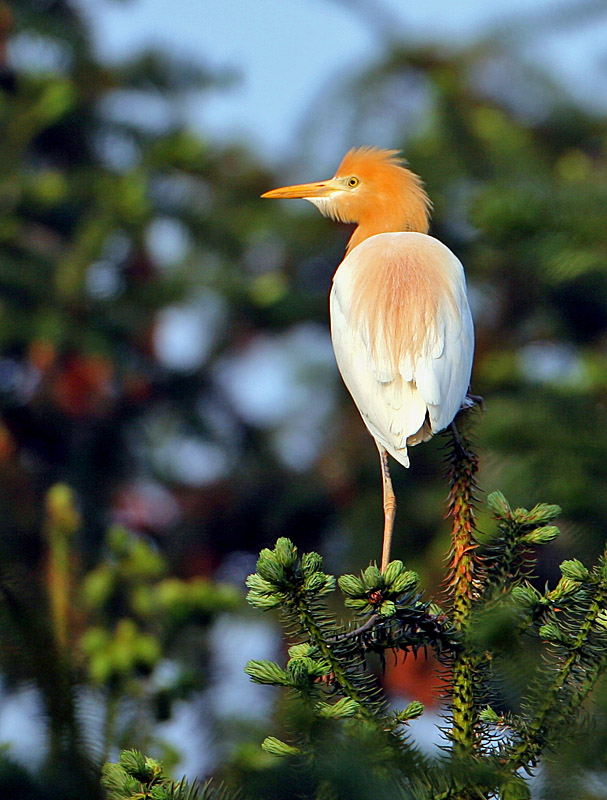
[{"x": 286, "y": 50}]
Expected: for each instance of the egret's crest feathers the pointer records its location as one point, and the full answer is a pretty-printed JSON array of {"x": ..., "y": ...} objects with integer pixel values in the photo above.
[{"x": 366, "y": 159}]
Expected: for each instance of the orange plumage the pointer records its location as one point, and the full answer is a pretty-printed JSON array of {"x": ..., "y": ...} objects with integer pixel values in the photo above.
[{"x": 390, "y": 197}]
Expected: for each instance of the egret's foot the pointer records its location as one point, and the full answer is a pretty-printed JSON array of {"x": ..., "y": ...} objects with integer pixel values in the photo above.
[{"x": 476, "y": 400}]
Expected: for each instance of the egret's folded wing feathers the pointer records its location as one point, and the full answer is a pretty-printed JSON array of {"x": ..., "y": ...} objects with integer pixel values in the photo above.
[{"x": 402, "y": 335}]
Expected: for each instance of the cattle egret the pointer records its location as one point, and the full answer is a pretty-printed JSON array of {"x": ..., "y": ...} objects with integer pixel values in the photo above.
[{"x": 400, "y": 321}]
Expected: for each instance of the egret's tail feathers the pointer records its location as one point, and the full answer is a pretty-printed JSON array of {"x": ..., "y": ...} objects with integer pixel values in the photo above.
[
  {"x": 400, "y": 454},
  {"x": 422, "y": 435}
]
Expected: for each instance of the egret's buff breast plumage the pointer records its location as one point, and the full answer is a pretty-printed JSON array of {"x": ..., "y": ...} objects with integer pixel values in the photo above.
[
  {"x": 402, "y": 335},
  {"x": 398, "y": 293}
]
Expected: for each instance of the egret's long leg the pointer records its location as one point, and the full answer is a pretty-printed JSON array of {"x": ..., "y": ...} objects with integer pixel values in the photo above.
[{"x": 389, "y": 506}]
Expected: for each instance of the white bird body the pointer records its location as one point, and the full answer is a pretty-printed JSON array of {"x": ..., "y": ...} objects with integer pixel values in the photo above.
[{"x": 403, "y": 336}]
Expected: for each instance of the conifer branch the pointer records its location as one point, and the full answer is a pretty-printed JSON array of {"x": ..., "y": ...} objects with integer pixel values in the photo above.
[
  {"x": 536, "y": 734},
  {"x": 337, "y": 673},
  {"x": 137, "y": 777},
  {"x": 461, "y": 582},
  {"x": 295, "y": 586},
  {"x": 331, "y": 658},
  {"x": 507, "y": 559}
]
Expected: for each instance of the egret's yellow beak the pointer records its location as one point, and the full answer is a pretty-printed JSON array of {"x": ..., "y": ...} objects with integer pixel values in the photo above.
[{"x": 305, "y": 190}]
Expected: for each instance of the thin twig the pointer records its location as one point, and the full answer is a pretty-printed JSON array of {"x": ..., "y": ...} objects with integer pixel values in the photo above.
[{"x": 366, "y": 626}]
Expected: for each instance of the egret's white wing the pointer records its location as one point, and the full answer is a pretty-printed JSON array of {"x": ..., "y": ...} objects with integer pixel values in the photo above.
[{"x": 403, "y": 337}]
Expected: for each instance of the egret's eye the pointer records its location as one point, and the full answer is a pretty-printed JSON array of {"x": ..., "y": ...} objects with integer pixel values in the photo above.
[{"x": 353, "y": 182}]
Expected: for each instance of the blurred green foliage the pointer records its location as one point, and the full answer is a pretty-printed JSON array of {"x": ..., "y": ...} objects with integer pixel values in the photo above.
[
  {"x": 124, "y": 631},
  {"x": 115, "y": 220}
]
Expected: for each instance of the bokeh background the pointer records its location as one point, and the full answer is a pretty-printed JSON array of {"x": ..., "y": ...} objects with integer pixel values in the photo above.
[{"x": 166, "y": 369}]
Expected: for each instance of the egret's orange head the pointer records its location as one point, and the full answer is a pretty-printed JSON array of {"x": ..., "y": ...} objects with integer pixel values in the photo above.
[{"x": 371, "y": 187}]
